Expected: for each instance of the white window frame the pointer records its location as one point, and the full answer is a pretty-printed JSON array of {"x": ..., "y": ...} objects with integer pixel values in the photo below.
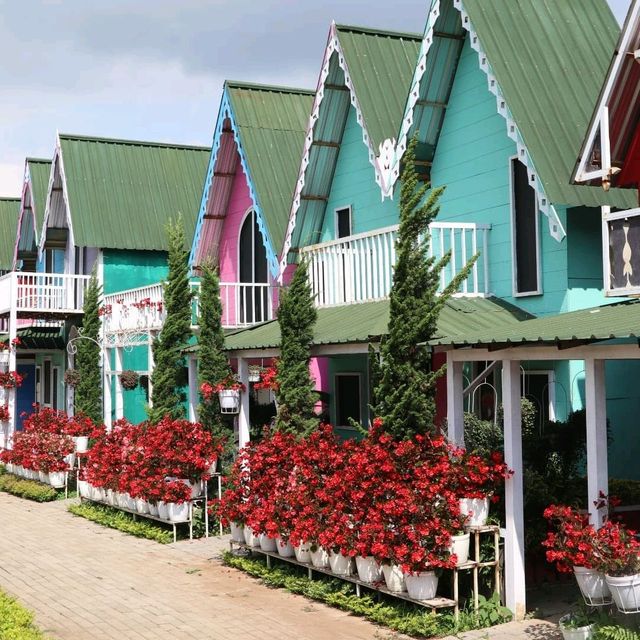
[
  {"x": 54, "y": 387},
  {"x": 335, "y": 221},
  {"x": 512, "y": 207},
  {"x": 551, "y": 387},
  {"x": 248, "y": 212},
  {"x": 342, "y": 374}
]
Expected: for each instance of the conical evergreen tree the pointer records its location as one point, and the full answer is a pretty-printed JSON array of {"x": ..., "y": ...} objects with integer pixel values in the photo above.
[
  {"x": 213, "y": 363},
  {"x": 168, "y": 377},
  {"x": 406, "y": 383},
  {"x": 88, "y": 392},
  {"x": 295, "y": 395}
]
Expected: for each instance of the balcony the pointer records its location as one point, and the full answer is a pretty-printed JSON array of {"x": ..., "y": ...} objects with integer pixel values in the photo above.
[
  {"x": 359, "y": 268},
  {"x": 143, "y": 309},
  {"x": 42, "y": 294}
]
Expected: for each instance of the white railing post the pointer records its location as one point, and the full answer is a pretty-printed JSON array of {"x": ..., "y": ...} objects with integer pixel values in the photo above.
[{"x": 13, "y": 332}]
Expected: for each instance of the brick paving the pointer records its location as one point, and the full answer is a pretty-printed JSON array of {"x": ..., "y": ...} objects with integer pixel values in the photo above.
[{"x": 86, "y": 582}]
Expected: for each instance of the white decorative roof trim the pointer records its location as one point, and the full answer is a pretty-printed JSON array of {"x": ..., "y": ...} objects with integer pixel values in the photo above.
[
  {"x": 380, "y": 163},
  {"x": 556, "y": 228}
]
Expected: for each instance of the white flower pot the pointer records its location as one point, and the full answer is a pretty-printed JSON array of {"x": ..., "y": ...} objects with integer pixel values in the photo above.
[
  {"x": 229, "y": 400},
  {"x": 575, "y": 633},
  {"x": 131, "y": 502},
  {"x": 285, "y": 549},
  {"x": 43, "y": 477},
  {"x": 196, "y": 489},
  {"x": 70, "y": 460},
  {"x": 340, "y": 565},
  {"x": 303, "y": 552},
  {"x": 57, "y": 479},
  {"x": 249, "y": 537},
  {"x": 237, "y": 532},
  {"x": 110, "y": 497},
  {"x": 422, "y": 586},
  {"x": 121, "y": 500},
  {"x": 593, "y": 586},
  {"x": 82, "y": 444},
  {"x": 9, "y": 467},
  {"x": 178, "y": 512},
  {"x": 83, "y": 488},
  {"x": 142, "y": 506},
  {"x": 460, "y": 547},
  {"x": 212, "y": 467},
  {"x": 153, "y": 509},
  {"x": 625, "y": 591},
  {"x": 319, "y": 557},
  {"x": 267, "y": 543},
  {"x": 368, "y": 569},
  {"x": 33, "y": 474},
  {"x": 163, "y": 510},
  {"x": 394, "y": 578},
  {"x": 476, "y": 510}
]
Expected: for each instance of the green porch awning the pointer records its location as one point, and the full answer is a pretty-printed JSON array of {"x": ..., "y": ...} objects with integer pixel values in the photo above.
[
  {"x": 619, "y": 320},
  {"x": 367, "y": 322},
  {"x": 39, "y": 338}
]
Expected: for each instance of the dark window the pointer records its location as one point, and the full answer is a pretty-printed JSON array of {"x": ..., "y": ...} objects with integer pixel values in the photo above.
[
  {"x": 54, "y": 402},
  {"x": 47, "y": 382},
  {"x": 343, "y": 222},
  {"x": 254, "y": 301},
  {"x": 525, "y": 230},
  {"x": 347, "y": 399}
]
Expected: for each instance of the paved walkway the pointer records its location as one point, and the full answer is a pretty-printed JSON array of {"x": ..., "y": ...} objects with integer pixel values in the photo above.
[{"x": 85, "y": 582}]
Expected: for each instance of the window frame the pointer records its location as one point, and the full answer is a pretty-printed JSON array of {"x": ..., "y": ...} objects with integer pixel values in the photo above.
[
  {"x": 538, "y": 254},
  {"x": 551, "y": 388},
  {"x": 345, "y": 374},
  {"x": 337, "y": 210}
]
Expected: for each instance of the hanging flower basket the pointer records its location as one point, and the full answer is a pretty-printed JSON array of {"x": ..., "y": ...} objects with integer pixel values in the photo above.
[
  {"x": 255, "y": 371},
  {"x": 5, "y": 416},
  {"x": 229, "y": 400},
  {"x": 228, "y": 391},
  {"x": 129, "y": 379},
  {"x": 10, "y": 379},
  {"x": 72, "y": 378}
]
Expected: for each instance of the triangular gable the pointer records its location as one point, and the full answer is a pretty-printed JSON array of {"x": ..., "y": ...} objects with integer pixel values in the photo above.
[
  {"x": 368, "y": 70},
  {"x": 260, "y": 131},
  {"x": 614, "y": 122},
  {"x": 541, "y": 62}
]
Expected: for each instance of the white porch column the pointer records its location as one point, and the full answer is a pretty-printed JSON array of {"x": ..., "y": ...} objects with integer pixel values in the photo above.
[
  {"x": 69, "y": 389},
  {"x": 106, "y": 387},
  {"x": 243, "y": 418},
  {"x": 193, "y": 388},
  {"x": 119, "y": 394},
  {"x": 514, "y": 543},
  {"x": 150, "y": 365},
  {"x": 455, "y": 402},
  {"x": 597, "y": 464},
  {"x": 13, "y": 332}
]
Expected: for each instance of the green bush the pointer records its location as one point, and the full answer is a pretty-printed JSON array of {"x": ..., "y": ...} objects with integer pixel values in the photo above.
[
  {"x": 16, "y": 623},
  {"x": 29, "y": 489},
  {"x": 398, "y": 615},
  {"x": 122, "y": 521}
]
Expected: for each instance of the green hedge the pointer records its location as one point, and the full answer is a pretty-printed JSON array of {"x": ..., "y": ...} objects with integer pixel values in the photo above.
[
  {"x": 29, "y": 489},
  {"x": 122, "y": 521},
  {"x": 16, "y": 623},
  {"x": 398, "y": 615}
]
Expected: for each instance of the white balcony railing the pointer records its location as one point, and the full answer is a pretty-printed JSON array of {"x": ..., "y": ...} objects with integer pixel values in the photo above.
[
  {"x": 42, "y": 293},
  {"x": 359, "y": 268},
  {"x": 143, "y": 308}
]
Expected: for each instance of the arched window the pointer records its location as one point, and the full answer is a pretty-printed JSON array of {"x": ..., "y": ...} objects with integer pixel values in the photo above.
[{"x": 252, "y": 270}]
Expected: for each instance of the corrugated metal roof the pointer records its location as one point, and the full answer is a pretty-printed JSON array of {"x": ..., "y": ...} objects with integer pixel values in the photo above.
[
  {"x": 9, "y": 212},
  {"x": 39, "y": 337},
  {"x": 272, "y": 123},
  {"x": 618, "y": 320},
  {"x": 39, "y": 171},
  {"x": 362, "y": 323},
  {"x": 122, "y": 193},
  {"x": 550, "y": 59}
]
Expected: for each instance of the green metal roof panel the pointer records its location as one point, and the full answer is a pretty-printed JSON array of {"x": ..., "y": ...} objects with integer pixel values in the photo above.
[
  {"x": 39, "y": 337},
  {"x": 550, "y": 60},
  {"x": 39, "y": 171},
  {"x": 368, "y": 321},
  {"x": 272, "y": 123},
  {"x": 617, "y": 320},
  {"x": 122, "y": 193},
  {"x": 9, "y": 213},
  {"x": 381, "y": 65}
]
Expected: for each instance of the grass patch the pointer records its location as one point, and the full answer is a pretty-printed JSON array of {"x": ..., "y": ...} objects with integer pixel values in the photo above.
[
  {"x": 122, "y": 521},
  {"x": 29, "y": 489},
  {"x": 379, "y": 608},
  {"x": 16, "y": 622}
]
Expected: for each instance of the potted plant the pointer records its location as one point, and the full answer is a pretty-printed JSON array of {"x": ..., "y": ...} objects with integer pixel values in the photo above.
[
  {"x": 5, "y": 415},
  {"x": 129, "y": 379},
  {"x": 72, "y": 378},
  {"x": 10, "y": 379},
  {"x": 576, "y": 626},
  {"x": 228, "y": 391},
  {"x": 620, "y": 551}
]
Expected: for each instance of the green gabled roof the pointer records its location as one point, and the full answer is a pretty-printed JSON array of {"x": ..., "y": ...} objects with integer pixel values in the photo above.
[
  {"x": 122, "y": 193},
  {"x": 39, "y": 171},
  {"x": 368, "y": 321},
  {"x": 614, "y": 321},
  {"x": 550, "y": 59},
  {"x": 272, "y": 122},
  {"x": 9, "y": 213},
  {"x": 381, "y": 65}
]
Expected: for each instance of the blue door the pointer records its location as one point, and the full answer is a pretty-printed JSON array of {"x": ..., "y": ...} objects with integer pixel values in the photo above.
[{"x": 26, "y": 394}]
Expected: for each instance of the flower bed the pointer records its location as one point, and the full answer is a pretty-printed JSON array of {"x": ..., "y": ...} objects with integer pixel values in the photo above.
[{"x": 395, "y": 504}]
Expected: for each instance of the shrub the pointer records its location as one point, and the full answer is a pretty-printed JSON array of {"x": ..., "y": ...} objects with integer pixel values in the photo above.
[
  {"x": 29, "y": 489},
  {"x": 16, "y": 622}
]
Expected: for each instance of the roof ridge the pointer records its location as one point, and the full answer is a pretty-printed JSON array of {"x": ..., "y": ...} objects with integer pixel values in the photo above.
[
  {"x": 122, "y": 141},
  {"x": 239, "y": 84},
  {"x": 379, "y": 32},
  {"x": 39, "y": 160},
  {"x": 10, "y": 199}
]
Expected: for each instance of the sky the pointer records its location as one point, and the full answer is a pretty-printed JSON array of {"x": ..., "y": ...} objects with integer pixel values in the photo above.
[{"x": 154, "y": 69}]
